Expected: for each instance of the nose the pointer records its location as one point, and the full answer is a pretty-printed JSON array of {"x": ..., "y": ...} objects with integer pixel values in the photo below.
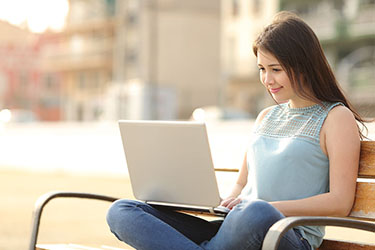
[{"x": 267, "y": 78}]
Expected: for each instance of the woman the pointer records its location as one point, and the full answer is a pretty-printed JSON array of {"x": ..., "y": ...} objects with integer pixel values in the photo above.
[{"x": 303, "y": 158}]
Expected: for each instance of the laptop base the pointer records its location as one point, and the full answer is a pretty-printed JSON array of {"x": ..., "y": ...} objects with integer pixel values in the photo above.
[{"x": 196, "y": 210}]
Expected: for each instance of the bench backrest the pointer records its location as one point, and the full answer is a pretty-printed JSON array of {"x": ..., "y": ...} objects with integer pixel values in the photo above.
[{"x": 364, "y": 204}]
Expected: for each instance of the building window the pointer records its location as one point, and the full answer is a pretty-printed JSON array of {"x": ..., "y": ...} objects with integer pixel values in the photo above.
[
  {"x": 81, "y": 80},
  {"x": 131, "y": 56},
  {"x": 235, "y": 8},
  {"x": 256, "y": 7},
  {"x": 111, "y": 8},
  {"x": 132, "y": 18},
  {"x": 49, "y": 82}
]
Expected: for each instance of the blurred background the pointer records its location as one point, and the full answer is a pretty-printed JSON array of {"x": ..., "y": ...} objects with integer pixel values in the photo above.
[
  {"x": 93, "y": 60},
  {"x": 69, "y": 69}
]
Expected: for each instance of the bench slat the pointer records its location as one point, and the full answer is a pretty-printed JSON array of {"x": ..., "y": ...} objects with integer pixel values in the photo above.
[
  {"x": 367, "y": 160},
  {"x": 341, "y": 245},
  {"x": 364, "y": 204},
  {"x": 227, "y": 169}
]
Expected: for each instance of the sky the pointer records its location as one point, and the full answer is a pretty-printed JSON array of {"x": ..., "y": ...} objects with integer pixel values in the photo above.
[{"x": 36, "y": 15}]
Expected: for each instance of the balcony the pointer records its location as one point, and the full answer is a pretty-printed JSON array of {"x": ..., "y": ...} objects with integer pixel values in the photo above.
[{"x": 77, "y": 53}]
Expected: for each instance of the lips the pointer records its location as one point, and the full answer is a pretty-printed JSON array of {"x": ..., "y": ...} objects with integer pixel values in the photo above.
[{"x": 275, "y": 90}]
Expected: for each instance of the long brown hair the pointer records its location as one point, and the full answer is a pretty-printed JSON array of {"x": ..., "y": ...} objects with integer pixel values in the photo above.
[{"x": 294, "y": 44}]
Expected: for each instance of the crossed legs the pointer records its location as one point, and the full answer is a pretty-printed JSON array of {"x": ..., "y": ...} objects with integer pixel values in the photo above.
[{"x": 145, "y": 227}]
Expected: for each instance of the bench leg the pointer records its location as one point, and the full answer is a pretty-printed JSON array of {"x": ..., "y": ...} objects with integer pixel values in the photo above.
[{"x": 44, "y": 199}]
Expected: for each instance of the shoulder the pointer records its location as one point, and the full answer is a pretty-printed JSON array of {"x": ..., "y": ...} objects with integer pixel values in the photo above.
[
  {"x": 263, "y": 114},
  {"x": 340, "y": 114},
  {"x": 340, "y": 121},
  {"x": 340, "y": 132}
]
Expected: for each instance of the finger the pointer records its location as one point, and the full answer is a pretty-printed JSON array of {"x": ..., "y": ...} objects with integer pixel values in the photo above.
[
  {"x": 234, "y": 203},
  {"x": 226, "y": 201}
]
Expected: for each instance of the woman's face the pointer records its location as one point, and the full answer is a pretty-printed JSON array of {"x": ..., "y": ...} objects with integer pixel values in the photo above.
[{"x": 276, "y": 80}]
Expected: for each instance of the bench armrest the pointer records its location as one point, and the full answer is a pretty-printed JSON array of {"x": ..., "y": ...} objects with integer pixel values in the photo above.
[
  {"x": 274, "y": 234},
  {"x": 44, "y": 199}
]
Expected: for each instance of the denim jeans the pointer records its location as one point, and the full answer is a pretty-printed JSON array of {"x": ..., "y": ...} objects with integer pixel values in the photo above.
[{"x": 145, "y": 227}]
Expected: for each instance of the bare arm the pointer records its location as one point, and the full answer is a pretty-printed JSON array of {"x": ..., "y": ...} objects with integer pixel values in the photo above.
[
  {"x": 232, "y": 199},
  {"x": 241, "y": 182},
  {"x": 340, "y": 141}
]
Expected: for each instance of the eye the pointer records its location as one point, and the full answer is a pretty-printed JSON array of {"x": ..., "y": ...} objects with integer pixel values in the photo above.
[
  {"x": 276, "y": 70},
  {"x": 261, "y": 69}
]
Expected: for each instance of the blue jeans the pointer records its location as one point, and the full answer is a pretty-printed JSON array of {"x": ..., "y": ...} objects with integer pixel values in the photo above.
[{"x": 145, "y": 227}]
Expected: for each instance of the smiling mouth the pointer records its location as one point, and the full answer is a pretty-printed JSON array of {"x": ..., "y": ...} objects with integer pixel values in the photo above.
[{"x": 275, "y": 90}]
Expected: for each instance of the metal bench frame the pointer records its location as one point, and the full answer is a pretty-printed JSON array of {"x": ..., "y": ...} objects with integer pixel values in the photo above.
[{"x": 44, "y": 199}]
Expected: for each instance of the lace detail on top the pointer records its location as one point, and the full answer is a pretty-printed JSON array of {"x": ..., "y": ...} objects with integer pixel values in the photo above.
[{"x": 283, "y": 121}]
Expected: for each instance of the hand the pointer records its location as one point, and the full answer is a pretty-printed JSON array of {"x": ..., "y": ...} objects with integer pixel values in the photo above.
[{"x": 230, "y": 202}]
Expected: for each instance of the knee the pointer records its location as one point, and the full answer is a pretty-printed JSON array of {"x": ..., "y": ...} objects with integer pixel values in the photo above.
[
  {"x": 249, "y": 222},
  {"x": 119, "y": 211},
  {"x": 260, "y": 213},
  {"x": 257, "y": 206}
]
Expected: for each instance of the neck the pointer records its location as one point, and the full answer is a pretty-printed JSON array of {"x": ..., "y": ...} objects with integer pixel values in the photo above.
[{"x": 300, "y": 103}]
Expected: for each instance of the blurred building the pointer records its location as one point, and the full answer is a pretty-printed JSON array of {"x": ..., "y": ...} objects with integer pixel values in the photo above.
[
  {"x": 160, "y": 57},
  {"x": 346, "y": 29},
  {"x": 242, "y": 20},
  {"x": 80, "y": 58},
  {"x": 21, "y": 78},
  {"x": 184, "y": 51},
  {"x": 15, "y": 67}
]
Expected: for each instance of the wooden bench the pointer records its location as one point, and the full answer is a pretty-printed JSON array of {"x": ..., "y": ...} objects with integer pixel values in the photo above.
[{"x": 362, "y": 215}]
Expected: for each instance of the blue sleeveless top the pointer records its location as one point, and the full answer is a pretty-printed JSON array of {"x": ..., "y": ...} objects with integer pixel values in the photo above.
[{"x": 285, "y": 161}]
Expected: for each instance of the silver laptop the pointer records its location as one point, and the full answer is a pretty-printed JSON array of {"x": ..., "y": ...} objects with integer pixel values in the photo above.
[{"x": 170, "y": 164}]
